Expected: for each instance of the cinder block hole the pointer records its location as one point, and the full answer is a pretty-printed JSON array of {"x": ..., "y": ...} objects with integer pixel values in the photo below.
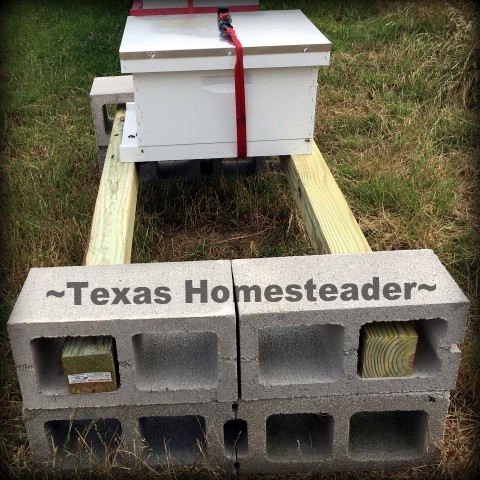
[
  {"x": 430, "y": 333},
  {"x": 179, "y": 439},
  {"x": 206, "y": 167},
  {"x": 85, "y": 437},
  {"x": 300, "y": 355},
  {"x": 426, "y": 362},
  {"x": 299, "y": 437},
  {"x": 388, "y": 435},
  {"x": 47, "y": 360},
  {"x": 176, "y": 361},
  {"x": 109, "y": 110},
  {"x": 235, "y": 437}
]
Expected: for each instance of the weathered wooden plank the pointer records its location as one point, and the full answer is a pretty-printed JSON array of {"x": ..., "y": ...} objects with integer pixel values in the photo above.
[
  {"x": 329, "y": 222},
  {"x": 89, "y": 364},
  {"x": 114, "y": 216},
  {"x": 387, "y": 349}
]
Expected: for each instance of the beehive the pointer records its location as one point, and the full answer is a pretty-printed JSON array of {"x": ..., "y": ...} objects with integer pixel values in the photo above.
[{"x": 184, "y": 87}]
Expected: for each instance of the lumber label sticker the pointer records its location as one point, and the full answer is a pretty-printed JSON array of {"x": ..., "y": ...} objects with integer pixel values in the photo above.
[{"x": 94, "y": 377}]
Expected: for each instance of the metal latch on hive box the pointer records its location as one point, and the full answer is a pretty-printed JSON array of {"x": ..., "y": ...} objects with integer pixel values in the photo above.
[{"x": 184, "y": 85}]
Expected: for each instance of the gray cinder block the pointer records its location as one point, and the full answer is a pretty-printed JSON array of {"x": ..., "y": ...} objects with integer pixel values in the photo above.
[
  {"x": 192, "y": 170},
  {"x": 108, "y": 91},
  {"x": 347, "y": 432},
  {"x": 169, "y": 350},
  {"x": 300, "y": 320},
  {"x": 159, "y": 435},
  {"x": 189, "y": 170}
]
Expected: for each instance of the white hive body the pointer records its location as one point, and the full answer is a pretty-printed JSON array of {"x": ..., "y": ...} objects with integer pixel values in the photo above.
[
  {"x": 184, "y": 85},
  {"x": 200, "y": 5}
]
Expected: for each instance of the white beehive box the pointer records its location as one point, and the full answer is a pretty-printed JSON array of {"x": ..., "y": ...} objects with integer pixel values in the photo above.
[
  {"x": 184, "y": 88},
  {"x": 200, "y": 6}
]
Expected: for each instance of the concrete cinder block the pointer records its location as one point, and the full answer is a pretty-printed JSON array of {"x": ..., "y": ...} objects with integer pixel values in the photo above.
[
  {"x": 194, "y": 170},
  {"x": 300, "y": 320},
  {"x": 206, "y": 169},
  {"x": 189, "y": 170},
  {"x": 182, "y": 434},
  {"x": 348, "y": 432},
  {"x": 169, "y": 350},
  {"x": 108, "y": 91}
]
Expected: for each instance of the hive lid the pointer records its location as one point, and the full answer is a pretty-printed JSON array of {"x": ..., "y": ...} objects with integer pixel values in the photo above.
[{"x": 174, "y": 42}]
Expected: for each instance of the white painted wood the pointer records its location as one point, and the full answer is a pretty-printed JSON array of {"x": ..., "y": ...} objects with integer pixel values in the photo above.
[
  {"x": 230, "y": 3},
  {"x": 183, "y": 37},
  {"x": 130, "y": 151},
  {"x": 165, "y": 4},
  {"x": 228, "y": 62},
  {"x": 196, "y": 3},
  {"x": 184, "y": 89},
  {"x": 191, "y": 107}
]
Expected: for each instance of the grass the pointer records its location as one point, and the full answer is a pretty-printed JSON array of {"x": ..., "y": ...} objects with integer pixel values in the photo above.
[{"x": 397, "y": 122}]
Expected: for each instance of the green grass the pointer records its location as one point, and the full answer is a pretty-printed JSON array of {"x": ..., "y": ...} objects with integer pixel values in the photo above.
[{"x": 397, "y": 121}]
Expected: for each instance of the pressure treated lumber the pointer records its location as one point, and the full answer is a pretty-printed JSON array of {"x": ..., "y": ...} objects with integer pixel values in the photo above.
[
  {"x": 387, "y": 349},
  {"x": 114, "y": 216},
  {"x": 328, "y": 219},
  {"x": 89, "y": 364},
  {"x": 110, "y": 243}
]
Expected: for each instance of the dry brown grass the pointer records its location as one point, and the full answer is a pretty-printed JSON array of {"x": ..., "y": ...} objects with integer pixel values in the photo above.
[{"x": 232, "y": 219}]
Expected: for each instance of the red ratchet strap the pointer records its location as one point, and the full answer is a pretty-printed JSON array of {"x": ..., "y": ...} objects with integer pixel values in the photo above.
[
  {"x": 190, "y": 6},
  {"x": 227, "y": 30}
]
